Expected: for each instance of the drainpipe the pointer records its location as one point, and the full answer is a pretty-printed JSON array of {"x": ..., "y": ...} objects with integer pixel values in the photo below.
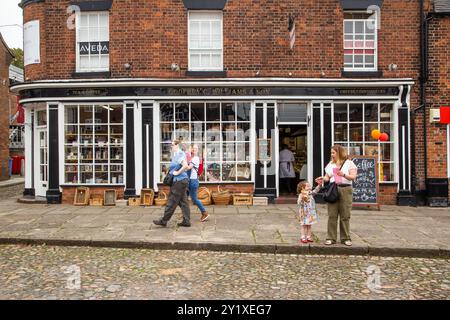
[{"x": 423, "y": 79}]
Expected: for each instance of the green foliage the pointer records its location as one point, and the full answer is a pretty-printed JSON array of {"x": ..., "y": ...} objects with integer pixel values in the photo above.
[{"x": 18, "y": 57}]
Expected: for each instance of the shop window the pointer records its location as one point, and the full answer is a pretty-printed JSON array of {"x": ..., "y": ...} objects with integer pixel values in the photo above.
[
  {"x": 93, "y": 144},
  {"x": 292, "y": 112},
  {"x": 360, "y": 42},
  {"x": 205, "y": 41},
  {"x": 92, "y": 41},
  {"x": 353, "y": 125},
  {"x": 221, "y": 131}
]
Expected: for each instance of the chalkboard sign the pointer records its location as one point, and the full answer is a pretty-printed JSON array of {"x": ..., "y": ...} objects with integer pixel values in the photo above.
[{"x": 365, "y": 187}]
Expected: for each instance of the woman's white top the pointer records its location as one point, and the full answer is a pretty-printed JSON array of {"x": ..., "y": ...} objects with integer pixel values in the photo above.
[
  {"x": 348, "y": 165},
  {"x": 287, "y": 164},
  {"x": 196, "y": 162}
]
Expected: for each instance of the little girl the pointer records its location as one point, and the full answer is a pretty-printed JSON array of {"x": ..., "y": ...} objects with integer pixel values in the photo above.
[{"x": 307, "y": 209}]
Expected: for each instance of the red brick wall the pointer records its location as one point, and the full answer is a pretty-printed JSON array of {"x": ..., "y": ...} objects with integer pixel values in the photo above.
[
  {"x": 151, "y": 35},
  {"x": 388, "y": 194},
  {"x": 68, "y": 193},
  {"x": 5, "y": 60}
]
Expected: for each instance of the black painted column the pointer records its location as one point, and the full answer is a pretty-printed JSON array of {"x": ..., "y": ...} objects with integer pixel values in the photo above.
[
  {"x": 404, "y": 197},
  {"x": 147, "y": 145},
  {"x": 130, "y": 188},
  {"x": 53, "y": 193}
]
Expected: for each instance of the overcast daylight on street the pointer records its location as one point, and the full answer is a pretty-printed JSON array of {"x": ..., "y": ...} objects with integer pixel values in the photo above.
[{"x": 224, "y": 150}]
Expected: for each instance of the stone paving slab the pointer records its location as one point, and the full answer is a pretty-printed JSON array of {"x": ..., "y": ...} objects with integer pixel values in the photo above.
[{"x": 274, "y": 228}]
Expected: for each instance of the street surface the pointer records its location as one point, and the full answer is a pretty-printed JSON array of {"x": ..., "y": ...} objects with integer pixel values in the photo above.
[{"x": 43, "y": 272}]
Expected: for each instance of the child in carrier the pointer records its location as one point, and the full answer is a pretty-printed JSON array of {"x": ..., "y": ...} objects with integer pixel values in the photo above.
[{"x": 307, "y": 214}]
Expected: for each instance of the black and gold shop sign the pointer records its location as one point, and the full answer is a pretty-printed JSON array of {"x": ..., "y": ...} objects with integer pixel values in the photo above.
[{"x": 139, "y": 91}]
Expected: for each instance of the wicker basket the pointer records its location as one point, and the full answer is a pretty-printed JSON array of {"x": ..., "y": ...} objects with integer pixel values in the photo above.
[
  {"x": 204, "y": 195},
  {"x": 147, "y": 197},
  {"x": 162, "y": 199},
  {"x": 221, "y": 197}
]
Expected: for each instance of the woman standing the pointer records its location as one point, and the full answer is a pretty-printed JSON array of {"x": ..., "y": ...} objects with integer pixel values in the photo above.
[
  {"x": 194, "y": 183},
  {"x": 342, "y": 171},
  {"x": 177, "y": 195}
]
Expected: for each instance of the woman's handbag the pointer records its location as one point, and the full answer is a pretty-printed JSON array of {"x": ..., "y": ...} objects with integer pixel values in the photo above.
[
  {"x": 168, "y": 179},
  {"x": 330, "y": 191}
]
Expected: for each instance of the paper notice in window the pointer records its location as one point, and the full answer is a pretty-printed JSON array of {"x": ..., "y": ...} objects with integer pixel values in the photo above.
[{"x": 337, "y": 178}]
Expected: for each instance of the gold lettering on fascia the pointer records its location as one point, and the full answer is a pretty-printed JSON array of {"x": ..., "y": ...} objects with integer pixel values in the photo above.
[{"x": 217, "y": 91}]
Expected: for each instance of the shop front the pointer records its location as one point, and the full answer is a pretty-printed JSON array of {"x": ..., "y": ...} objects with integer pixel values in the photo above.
[{"x": 116, "y": 134}]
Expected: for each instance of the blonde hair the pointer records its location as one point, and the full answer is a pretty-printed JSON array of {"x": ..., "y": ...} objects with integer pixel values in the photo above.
[
  {"x": 301, "y": 186},
  {"x": 341, "y": 153}
]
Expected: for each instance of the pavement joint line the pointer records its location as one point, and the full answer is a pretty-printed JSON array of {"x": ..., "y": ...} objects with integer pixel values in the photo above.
[{"x": 233, "y": 247}]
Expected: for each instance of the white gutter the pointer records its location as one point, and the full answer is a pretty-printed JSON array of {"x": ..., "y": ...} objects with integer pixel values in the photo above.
[{"x": 281, "y": 82}]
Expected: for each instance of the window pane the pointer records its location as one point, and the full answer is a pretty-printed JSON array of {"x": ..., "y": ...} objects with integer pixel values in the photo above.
[
  {"x": 243, "y": 152},
  {"x": 182, "y": 132},
  {"x": 181, "y": 111},
  {"x": 356, "y": 132},
  {"x": 229, "y": 132},
  {"x": 387, "y": 128},
  {"x": 371, "y": 112},
  {"x": 348, "y": 26},
  {"x": 387, "y": 151},
  {"x": 197, "y": 111},
  {"x": 368, "y": 128},
  {"x": 340, "y": 113},
  {"x": 228, "y": 112},
  {"x": 116, "y": 114},
  {"x": 83, "y": 35},
  {"x": 213, "y": 132},
  {"x": 356, "y": 149},
  {"x": 197, "y": 132},
  {"x": 243, "y": 172},
  {"x": 166, "y": 132},
  {"x": 166, "y": 110},
  {"x": 243, "y": 132},
  {"x": 243, "y": 111},
  {"x": 166, "y": 151},
  {"x": 229, "y": 153},
  {"x": 213, "y": 172},
  {"x": 85, "y": 114},
  {"x": 228, "y": 172},
  {"x": 84, "y": 62},
  {"x": 386, "y": 171},
  {"x": 216, "y": 61},
  {"x": 71, "y": 114},
  {"x": 355, "y": 112},
  {"x": 386, "y": 112},
  {"x": 359, "y": 26},
  {"x": 194, "y": 60},
  {"x": 371, "y": 149},
  {"x": 340, "y": 132},
  {"x": 213, "y": 112},
  {"x": 213, "y": 151},
  {"x": 101, "y": 114}
]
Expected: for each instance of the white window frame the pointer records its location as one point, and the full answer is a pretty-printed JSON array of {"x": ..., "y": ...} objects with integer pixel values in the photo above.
[
  {"x": 393, "y": 136},
  {"x": 216, "y": 14},
  {"x": 93, "y": 163},
  {"x": 375, "y": 47},
  {"x": 205, "y": 141},
  {"x": 77, "y": 37}
]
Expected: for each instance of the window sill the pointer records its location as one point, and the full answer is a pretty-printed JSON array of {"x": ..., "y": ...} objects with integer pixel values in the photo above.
[
  {"x": 206, "y": 74},
  {"x": 362, "y": 74},
  {"x": 92, "y": 75}
]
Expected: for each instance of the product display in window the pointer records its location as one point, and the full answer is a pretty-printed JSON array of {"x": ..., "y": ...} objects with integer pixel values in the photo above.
[{"x": 100, "y": 148}]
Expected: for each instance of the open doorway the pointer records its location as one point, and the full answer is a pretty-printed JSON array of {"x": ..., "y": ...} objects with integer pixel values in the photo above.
[{"x": 293, "y": 166}]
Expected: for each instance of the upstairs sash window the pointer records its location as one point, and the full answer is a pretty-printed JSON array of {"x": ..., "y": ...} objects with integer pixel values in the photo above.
[
  {"x": 360, "y": 42},
  {"x": 93, "y": 42},
  {"x": 205, "y": 41}
]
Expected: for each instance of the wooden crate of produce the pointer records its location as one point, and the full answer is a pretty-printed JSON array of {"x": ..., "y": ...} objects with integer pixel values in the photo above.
[
  {"x": 260, "y": 201},
  {"x": 242, "y": 199},
  {"x": 82, "y": 196},
  {"x": 134, "y": 202}
]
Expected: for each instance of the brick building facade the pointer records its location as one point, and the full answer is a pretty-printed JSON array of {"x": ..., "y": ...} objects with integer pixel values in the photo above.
[
  {"x": 6, "y": 58},
  {"x": 160, "y": 68}
]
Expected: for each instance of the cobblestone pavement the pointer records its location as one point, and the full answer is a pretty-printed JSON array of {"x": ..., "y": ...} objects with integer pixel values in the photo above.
[
  {"x": 43, "y": 272},
  {"x": 426, "y": 231}
]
